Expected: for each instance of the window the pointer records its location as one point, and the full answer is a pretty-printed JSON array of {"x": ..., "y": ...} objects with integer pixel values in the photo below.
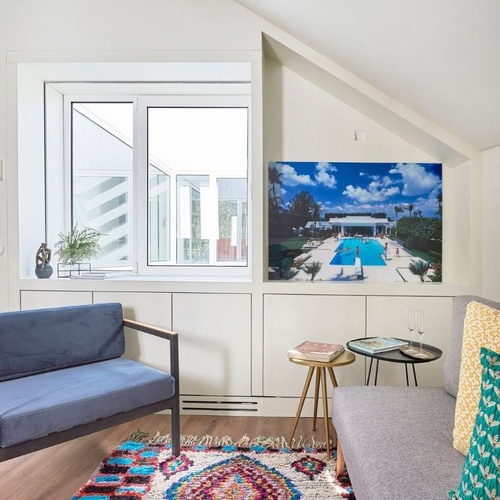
[
  {"x": 163, "y": 177},
  {"x": 203, "y": 149},
  {"x": 102, "y": 173}
]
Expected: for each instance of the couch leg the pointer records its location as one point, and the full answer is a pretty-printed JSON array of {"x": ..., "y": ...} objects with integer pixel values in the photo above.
[
  {"x": 340, "y": 459},
  {"x": 176, "y": 431}
]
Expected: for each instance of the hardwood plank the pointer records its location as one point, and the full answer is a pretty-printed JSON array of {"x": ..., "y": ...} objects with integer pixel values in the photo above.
[{"x": 58, "y": 472}]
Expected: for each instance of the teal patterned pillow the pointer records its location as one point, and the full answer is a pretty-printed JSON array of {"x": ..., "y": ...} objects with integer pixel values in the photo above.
[{"x": 481, "y": 473}]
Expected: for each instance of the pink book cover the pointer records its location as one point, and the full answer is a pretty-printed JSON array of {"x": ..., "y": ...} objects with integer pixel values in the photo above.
[{"x": 316, "y": 350}]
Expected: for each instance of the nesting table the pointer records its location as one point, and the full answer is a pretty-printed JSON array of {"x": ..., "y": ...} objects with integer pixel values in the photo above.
[
  {"x": 396, "y": 356},
  {"x": 346, "y": 358}
]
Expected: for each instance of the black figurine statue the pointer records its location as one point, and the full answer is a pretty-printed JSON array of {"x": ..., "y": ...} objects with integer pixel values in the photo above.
[{"x": 43, "y": 269}]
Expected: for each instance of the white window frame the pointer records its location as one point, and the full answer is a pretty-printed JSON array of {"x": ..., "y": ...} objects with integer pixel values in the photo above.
[{"x": 165, "y": 94}]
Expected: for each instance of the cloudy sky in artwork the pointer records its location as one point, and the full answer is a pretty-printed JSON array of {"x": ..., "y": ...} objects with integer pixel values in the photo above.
[{"x": 364, "y": 187}]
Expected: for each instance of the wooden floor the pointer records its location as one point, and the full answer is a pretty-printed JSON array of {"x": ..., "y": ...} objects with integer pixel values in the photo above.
[{"x": 58, "y": 472}]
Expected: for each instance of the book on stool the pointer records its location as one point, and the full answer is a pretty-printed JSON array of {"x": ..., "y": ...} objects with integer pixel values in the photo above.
[{"x": 316, "y": 351}]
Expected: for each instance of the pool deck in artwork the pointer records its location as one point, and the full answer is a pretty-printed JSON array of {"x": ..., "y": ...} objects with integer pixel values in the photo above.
[{"x": 396, "y": 269}]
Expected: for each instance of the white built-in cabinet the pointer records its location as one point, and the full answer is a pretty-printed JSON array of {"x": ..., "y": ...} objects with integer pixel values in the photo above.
[
  {"x": 215, "y": 343},
  {"x": 31, "y": 299},
  {"x": 291, "y": 319},
  {"x": 233, "y": 345},
  {"x": 152, "y": 308},
  {"x": 387, "y": 316}
]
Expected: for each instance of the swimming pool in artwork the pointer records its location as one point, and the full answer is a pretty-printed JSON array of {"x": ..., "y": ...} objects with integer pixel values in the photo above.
[{"x": 370, "y": 252}]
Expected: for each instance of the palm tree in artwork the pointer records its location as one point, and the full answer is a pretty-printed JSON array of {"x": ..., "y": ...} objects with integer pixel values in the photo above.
[
  {"x": 439, "y": 198},
  {"x": 275, "y": 183},
  {"x": 303, "y": 204},
  {"x": 419, "y": 268},
  {"x": 410, "y": 208},
  {"x": 397, "y": 210},
  {"x": 313, "y": 269}
]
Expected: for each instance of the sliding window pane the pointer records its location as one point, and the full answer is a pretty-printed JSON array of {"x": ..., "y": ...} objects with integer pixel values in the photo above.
[
  {"x": 232, "y": 241},
  {"x": 204, "y": 151},
  {"x": 102, "y": 165},
  {"x": 159, "y": 218}
]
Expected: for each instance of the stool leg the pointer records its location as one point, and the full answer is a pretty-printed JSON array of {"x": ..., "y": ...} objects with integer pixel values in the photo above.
[
  {"x": 302, "y": 399},
  {"x": 325, "y": 410},
  {"x": 333, "y": 378},
  {"x": 316, "y": 395}
]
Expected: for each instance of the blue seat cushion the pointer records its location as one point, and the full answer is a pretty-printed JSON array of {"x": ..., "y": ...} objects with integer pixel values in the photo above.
[{"x": 33, "y": 406}]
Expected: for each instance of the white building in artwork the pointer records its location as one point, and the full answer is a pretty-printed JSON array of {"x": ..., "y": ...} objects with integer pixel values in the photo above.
[{"x": 350, "y": 224}]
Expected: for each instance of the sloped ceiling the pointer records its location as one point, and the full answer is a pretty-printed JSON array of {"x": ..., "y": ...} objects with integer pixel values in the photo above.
[{"x": 440, "y": 59}]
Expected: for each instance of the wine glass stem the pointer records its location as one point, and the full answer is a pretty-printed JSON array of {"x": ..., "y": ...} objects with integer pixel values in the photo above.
[{"x": 421, "y": 349}]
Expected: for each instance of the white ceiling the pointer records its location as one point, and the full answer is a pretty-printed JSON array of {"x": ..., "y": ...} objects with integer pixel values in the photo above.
[{"x": 440, "y": 58}]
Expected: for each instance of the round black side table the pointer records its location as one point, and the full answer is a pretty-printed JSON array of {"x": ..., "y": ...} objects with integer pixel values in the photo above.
[{"x": 396, "y": 356}]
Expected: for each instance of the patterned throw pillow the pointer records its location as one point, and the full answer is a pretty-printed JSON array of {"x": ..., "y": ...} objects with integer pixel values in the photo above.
[
  {"x": 481, "y": 329},
  {"x": 481, "y": 472}
]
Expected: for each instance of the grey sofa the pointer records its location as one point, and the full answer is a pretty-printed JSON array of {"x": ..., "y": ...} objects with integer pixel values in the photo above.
[
  {"x": 63, "y": 375},
  {"x": 397, "y": 441}
]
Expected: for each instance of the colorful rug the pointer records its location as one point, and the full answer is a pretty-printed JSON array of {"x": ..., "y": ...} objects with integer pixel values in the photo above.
[{"x": 216, "y": 469}]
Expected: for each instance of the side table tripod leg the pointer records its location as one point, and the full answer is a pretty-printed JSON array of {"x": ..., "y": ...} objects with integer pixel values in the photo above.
[
  {"x": 376, "y": 371},
  {"x": 369, "y": 372},
  {"x": 414, "y": 374},
  {"x": 316, "y": 394},
  {"x": 325, "y": 410},
  {"x": 333, "y": 378},
  {"x": 302, "y": 399}
]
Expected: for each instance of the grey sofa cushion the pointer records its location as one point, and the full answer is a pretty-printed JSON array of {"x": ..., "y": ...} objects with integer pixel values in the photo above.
[
  {"x": 454, "y": 353},
  {"x": 51, "y": 401},
  {"x": 40, "y": 340},
  {"x": 398, "y": 441}
]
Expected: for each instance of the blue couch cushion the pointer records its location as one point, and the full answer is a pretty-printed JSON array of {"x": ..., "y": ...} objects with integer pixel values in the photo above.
[
  {"x": 47, "y": 402},
  {"x": 41, "y": 340}
]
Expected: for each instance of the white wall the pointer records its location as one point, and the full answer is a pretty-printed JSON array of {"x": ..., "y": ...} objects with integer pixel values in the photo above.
[
  {"x": 128, "y": 30},
  {"x": 301, "y": 122},
  {"x": 491, "y": 226}
]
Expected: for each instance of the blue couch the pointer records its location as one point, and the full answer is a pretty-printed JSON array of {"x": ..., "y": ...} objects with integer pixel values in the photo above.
[
  {"x": 63, "y": 375},
  {"x": 397, "y": 442}
]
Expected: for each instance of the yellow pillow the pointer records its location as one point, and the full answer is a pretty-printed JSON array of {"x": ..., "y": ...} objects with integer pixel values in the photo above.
[{"x": 481, "y": 329}]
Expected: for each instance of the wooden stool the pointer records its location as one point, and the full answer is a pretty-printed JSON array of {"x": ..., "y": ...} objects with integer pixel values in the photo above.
[{"x": 346, "y": 358}]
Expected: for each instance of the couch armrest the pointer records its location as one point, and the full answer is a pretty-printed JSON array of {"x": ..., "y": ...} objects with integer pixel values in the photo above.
[
  {"x": 165, "y": 334},
  {"x": 173, "y": 338}
]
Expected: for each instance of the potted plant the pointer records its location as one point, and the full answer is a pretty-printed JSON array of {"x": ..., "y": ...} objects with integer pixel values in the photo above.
[{"x": 77, "y": 246}]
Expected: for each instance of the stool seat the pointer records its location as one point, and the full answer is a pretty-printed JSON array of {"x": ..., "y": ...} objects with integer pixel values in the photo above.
[{"x": 346, "y": 358}]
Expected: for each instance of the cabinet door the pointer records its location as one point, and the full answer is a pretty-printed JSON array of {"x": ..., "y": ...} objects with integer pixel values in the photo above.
[
  {"x": 386, "y": 316},
  {"x": 291, "y": 319},
  {"x": 147, "y": 307},
  {"x": 214, "y": 342},
  {"x": 33, "y": 299}
]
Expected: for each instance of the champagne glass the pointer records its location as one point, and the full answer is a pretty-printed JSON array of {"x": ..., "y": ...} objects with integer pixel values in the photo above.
[
  {"x": 410, "y": 323},
  {"x": 421, "y": 330}
]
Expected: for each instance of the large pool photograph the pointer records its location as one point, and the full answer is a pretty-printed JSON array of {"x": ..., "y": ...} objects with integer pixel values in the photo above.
[{"x": 337, "y": 221}]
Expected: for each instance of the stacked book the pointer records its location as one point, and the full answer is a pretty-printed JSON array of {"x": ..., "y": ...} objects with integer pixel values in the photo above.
[
  {"x": 96, "y": 275},
  {"x": 375, "y": 345},
  {"x": 316, "y": 351}
]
